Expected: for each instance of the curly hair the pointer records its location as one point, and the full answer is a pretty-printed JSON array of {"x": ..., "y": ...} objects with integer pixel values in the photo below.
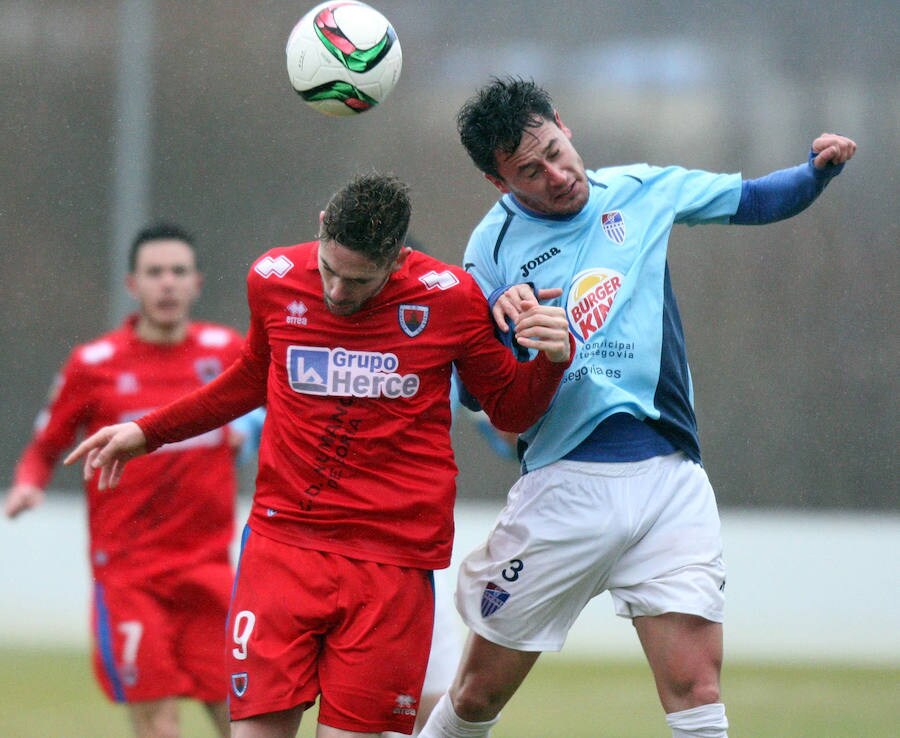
[
  {"x": 495, "y": 118},
  {"x": 370, "y": 215}
]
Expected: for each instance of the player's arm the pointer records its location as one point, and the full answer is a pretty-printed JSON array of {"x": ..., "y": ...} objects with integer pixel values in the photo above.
[
  {"x": 68, "y": 408},
  {"x": 515, "y": 394},
  {"x": 544, "y": 328},
  {"x": 21, "y": 497},
  {"x": 33, "y": 471},
  {"x": 507, "y": 303},
  {"x": 786, "y": 192},
  {"x": 238, "y": 390}
]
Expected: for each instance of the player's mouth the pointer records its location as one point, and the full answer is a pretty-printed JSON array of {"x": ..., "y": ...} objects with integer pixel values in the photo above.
[{"x": 341, "y": 308}]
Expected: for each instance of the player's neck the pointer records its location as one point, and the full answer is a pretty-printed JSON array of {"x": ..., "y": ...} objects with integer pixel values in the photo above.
[{"x": 151, "y": 332}]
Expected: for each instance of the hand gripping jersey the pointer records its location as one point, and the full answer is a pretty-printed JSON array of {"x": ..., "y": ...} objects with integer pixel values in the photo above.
[
  {"x": 610, "y": 261},
  {"x": 355, "y": 455},
  {"x": 172, "y": 509}
]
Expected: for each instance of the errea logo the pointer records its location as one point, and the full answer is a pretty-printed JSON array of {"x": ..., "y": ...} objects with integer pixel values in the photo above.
[
  {"x": 296, "y": 313},
  {"x": 405, "y": 704},
  {"x": 268, "y": 266}
]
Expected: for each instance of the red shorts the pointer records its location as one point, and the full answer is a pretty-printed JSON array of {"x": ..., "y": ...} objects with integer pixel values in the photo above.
[
  {"x": 163, "y": 636},
  {"x": 306, "y": 624}
]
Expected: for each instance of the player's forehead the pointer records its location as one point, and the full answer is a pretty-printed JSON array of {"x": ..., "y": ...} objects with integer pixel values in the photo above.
[
  {"x": 537, "y": 143},
  {"x": 340, "y": 261},
  {"x": 164, "y": 252}
]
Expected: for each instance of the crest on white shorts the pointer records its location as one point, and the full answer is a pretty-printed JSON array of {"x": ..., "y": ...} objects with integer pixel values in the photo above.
[{"x": 492, "y": 599}]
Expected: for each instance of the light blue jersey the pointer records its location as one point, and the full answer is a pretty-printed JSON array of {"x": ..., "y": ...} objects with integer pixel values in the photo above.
[{"x": 610, "y": 261}]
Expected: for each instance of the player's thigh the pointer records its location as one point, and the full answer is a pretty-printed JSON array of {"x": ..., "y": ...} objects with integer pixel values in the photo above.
[
  {"x": 373, "y": 661},
  {"x": 675, "y": 563},
  {"x": 685, "y": 654},
  {"x": 199, "y": 613},
  {"x": 133, "y": 643},
  {"x": 283, "y": 604},
  {"x": 550, "y": 551},
  {"x": 446, "y": 640},
  {"x": 154, "y": 717}
]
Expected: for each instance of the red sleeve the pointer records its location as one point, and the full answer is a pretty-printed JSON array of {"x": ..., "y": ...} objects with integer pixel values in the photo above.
[
  {"x": 513, "y": 394},
  {"x": 68, "y": 409},
  {"x": 236, "y": 391}
]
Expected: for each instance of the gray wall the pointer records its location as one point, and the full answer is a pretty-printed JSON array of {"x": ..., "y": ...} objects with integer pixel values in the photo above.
[{"x": 791, "y": 328}]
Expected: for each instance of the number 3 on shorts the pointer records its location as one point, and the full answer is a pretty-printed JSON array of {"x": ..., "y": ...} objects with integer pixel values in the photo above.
[
  {"x": 243, "y": 627},
  {"x": 511, "y": 573}
]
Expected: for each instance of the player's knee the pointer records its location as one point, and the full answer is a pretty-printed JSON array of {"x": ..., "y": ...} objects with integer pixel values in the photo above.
[
  {"x": 160, "y": 726},
  {"x": 476, "y": 700},
  {"x": 692, "y": 690}
]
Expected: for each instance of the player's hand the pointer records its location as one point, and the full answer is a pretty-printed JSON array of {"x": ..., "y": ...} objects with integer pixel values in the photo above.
[
  {"x": 508, "y": 306},
  {"x": 832, "y": 149},
  {"x": 22, "y": 497},
  {"x": 545, "y": 328},
  {"x": 108, "y": 450}
]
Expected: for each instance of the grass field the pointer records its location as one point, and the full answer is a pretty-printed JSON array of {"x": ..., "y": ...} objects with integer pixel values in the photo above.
[{"x": 51, "y": 694}]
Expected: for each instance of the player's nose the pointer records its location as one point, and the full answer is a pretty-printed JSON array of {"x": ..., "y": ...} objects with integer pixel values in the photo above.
[{"x": 555, "y": 175}]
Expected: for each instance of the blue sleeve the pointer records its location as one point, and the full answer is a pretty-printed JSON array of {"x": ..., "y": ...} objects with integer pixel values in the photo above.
[
  {"x": 782, "y": 194},
  {"x": 250, "y": 427},
  {"x": 508, "y": 339}
]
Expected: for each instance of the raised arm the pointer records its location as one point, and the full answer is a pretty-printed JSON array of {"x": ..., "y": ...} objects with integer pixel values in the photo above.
[{"x": 784, "y": 193}]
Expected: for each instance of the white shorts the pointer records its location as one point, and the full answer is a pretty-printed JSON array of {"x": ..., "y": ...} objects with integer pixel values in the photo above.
[
  {"x": 647, "y": 531},
  {"x": 446, "y": 640}
]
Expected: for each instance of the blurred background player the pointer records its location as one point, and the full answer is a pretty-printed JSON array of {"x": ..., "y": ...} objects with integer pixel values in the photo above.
[
  {"x": 613, "y": 495},
  {"x": 159, "y": 545}
]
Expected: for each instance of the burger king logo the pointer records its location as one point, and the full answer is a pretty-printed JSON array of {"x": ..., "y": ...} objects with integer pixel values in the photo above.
[{"x": 590, "y": 300}]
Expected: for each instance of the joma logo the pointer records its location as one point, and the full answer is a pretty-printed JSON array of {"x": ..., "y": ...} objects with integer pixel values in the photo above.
[{"x": 533, "y": 263}]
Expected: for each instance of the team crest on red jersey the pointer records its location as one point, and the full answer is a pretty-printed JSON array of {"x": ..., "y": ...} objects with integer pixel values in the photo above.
[
  {"x": 208, "y": 368},
  {"x": 239, "y": 683},
  {"x": 413, "y": 319}
]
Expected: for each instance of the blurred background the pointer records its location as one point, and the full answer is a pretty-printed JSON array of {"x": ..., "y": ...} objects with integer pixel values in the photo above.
[{"x": 118, "y": 112}]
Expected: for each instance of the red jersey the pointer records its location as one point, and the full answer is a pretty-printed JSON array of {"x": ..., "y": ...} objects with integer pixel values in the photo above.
[
  {"x": 355, "y": 456},
  {"x": 173, "y": 508}
]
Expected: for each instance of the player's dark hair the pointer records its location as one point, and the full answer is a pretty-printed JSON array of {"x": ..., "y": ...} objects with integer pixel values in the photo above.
[
  {"x": 495, "y": 118},
  {"x": 159, "y": 231},
  {"x": 371, "y": 215}
]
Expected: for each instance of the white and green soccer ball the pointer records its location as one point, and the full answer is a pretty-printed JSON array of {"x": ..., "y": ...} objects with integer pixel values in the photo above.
[{"x": 343, "y": 57}]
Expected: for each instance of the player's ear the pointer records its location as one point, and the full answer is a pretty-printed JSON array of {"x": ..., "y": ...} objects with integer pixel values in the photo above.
[
  {"x": 405, "y": 251},
  {"x": 562, "y": 126},
  {"x": 198, "y": 284},
  {"x": 497, "y": 182},
  {"x": 131, "y": 285}
]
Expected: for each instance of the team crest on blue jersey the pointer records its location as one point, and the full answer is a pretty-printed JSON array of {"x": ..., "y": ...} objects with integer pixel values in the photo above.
[
  {"x": 208, "y": 368},
  {"x": 413, "y": 319},
  {"x": 613, "y": 226},
  {"x": 239, "y": 683},
  {"x": 492, "y": 599}
]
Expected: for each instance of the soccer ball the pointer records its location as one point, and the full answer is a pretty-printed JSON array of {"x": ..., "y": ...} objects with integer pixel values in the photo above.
[{"x": 343, "y": 57}]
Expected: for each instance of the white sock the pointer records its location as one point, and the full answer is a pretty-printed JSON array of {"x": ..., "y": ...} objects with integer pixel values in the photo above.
[
  {"x": 445, "y": 723},
  {"x": 705, "y": 721}
]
